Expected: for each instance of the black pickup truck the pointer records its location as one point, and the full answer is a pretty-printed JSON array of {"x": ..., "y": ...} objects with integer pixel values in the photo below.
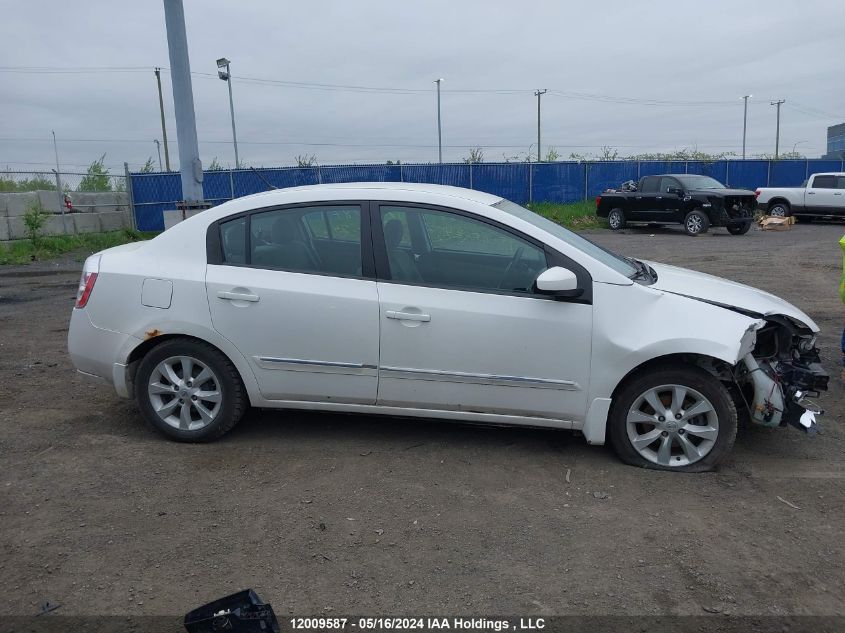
[{"x": 696, "y": 202}]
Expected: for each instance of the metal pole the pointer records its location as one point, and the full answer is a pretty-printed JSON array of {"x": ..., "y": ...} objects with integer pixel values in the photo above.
[
  {"x": 163, "y": 126},
  {"x": 158, "y": 148},
  {"x": 232, "y": 114},
  {"x": 59, "y": 183},
  {"x": 538, "y": 93},
  {"x": 132, "y": 219},
  {"x": 439, "y": 132},
  {"x": 777, "y": 132},
  {"x": 190, "y": 165},
  {"x": 744, "y": 123}
]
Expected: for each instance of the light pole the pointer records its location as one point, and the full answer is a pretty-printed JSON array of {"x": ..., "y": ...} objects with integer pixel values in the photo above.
[
  {"x": 796, "y": 144},
  {"x": 744, "y": 122},
  {"x": 538, "y": 93},
  {"x": 777, "y": 132},
  {"x": 439, "y": 134},
  {"x": 158, "y": 147},
  {"x": 226, "y": 76},
  {"x": 163, "y": 126}
]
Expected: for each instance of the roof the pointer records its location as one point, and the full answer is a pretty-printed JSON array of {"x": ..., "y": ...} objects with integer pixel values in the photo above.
[{"x": 442, "y": 190}]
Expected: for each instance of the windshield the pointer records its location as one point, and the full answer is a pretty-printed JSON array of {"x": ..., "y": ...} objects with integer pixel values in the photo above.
[
  {"x": 700, "y": 182},
  {"x": 606, "y": 257}
]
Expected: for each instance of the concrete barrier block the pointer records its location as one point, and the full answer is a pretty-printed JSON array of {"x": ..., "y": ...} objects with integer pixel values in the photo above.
[
  {"x": 4, "y": 230},
  {"x": 50, "y": 201},
  {"x": 86, "y": 222},
  {"x": 114, "y": 220},
  {"x": 57, "y": 225},
  {"x": 19, "y": 203},
  {"x": 82, "y": 201}
]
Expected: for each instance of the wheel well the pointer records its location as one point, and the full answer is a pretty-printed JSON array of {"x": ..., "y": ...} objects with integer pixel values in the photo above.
[
  {"x": 715, "y": 366},
  {"x": 774, "y": 201},
  {"x": 147, "y": 346}
]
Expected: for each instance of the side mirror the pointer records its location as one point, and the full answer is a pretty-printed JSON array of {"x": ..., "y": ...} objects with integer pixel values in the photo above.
[
  {"x": 558, "y": 282},
  {"x": 676, "y": 190}
]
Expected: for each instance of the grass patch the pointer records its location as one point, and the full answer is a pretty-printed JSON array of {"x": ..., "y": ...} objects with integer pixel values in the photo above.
[
  {"x": 576, "y": 215},
  {"x": 23, "y": 251}
]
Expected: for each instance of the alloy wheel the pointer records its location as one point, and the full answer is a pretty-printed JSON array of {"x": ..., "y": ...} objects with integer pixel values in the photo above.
[
  {"x": 778, "y": 211},
  {"x": 184, "y": 393},
  {"x": 694, "y": 224},
  {"x": 672, "y": 425}
]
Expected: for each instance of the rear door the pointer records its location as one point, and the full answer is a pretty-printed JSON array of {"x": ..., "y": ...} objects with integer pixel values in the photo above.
[
  {"x": 649, "y": 200},
  {"x": 292, "y": 288},
  {"x": 462, "y": 328},
  {"x": 820, "y": 196}
]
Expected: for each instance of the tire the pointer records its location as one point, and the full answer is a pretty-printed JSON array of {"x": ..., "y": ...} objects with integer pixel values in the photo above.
[
  {"x": 688, "y": 450},
  {"x": 163, "y": 394},
  {"x": 616, "y": 219},
  {"x": 741, "y": 229},
  {"x": 696, "y": 222},
  {"x": 780, "y": 209}
]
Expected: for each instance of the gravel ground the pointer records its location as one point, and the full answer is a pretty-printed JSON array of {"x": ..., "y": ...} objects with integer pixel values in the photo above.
[{"x": 332, "y": 514}]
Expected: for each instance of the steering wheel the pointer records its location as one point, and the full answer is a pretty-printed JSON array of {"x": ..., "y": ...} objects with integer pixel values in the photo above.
[{"x": 516, "y": 257}]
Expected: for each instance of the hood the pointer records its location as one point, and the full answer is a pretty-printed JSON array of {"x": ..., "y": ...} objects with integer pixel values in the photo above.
[
  {"x": 722, "y": 292},
  {"x": 723, "y": 193}
]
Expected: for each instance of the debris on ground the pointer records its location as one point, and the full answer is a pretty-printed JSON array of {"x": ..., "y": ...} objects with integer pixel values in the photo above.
[{"x": 789, "y": 503}]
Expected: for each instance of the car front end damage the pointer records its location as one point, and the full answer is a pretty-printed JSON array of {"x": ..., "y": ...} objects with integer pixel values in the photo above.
[
  {"x": 777, "y": 379},
  {"x": 731, "y": 210}
]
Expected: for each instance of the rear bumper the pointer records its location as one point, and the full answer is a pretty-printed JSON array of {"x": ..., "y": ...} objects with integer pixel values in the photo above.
[{"x": 97, "y": 353}]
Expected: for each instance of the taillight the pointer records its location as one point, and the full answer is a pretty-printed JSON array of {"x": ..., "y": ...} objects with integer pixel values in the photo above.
[
  {"x": 86, "y": 284},
  {"x": 757, "y": 193},
  {"x": 598, "y": 200}
]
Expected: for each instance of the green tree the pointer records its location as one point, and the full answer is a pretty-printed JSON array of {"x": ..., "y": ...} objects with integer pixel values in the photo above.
[
  {"x": 148, "y": 167},
  {"x": 303, "y": 160},
  {"x": 476, "y": 155},
  {"x": 97, "y": 177},
  {"x": 215, "y": 165}
]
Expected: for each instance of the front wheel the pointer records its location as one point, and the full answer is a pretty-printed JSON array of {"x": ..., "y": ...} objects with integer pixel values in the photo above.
[
  {"x": 189, "y": 391},
  {"x": 677, "y": 418},
  {"x": 739, "y": 229},
  {"x": 616, "y": 219},
  {"x": 696, "y": 222},
  {"x": 779, "y": 209}
]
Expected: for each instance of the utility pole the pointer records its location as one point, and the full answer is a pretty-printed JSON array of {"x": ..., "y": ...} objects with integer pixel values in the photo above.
[
  {"x": 226, "y": 76},
  {"x": 439, "y": 135},
  {"x": 190, "y": 165},
  {"x": 158, "y": 147},
  {"x": 777, "y": 133},
  {"x": 538, "y": 93},
  {"x": 744, "y": 123},
  {"x": 163, "y": 126}
]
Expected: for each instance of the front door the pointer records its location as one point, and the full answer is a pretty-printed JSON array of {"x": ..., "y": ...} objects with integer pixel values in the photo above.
[
  {"x": 461, "y": 328},
  {"x": 290, "y": 295}
]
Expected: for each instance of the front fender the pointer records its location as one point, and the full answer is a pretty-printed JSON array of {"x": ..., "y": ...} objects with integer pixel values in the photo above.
[{"x": 635, "y": 324}]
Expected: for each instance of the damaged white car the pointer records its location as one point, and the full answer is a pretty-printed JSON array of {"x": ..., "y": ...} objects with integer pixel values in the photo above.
[{"x": 429, "y": 301}]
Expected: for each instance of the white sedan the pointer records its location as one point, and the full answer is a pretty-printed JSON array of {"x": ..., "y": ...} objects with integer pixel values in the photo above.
[{"x": 422, "y": 300}]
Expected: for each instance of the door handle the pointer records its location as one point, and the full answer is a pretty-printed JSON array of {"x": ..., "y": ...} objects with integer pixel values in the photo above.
[
  {"x": 837, "y": 193},
  {"x": 660, "y": 197},
  {"x": 407, "y": 316},
  {"x": 811, "y": 193},
  {"x": 237, "y": 296}
]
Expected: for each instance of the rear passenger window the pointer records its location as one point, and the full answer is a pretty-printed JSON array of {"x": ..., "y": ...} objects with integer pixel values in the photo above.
[
  {"x": 233, "y": 241},
  {"x": 824, "y": 182},
  {"x": 650, "y": 184},
  {"x": 322, "y": 239}
]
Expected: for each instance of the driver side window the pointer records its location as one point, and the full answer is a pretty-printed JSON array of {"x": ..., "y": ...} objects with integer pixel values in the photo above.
[{"x": 451, "y": 250}]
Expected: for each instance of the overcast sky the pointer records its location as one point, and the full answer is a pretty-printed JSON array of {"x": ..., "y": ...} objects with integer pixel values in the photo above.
[{"x": 695, "y": 59}]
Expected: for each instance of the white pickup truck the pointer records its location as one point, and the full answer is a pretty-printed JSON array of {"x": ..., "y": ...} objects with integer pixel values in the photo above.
[{"x": 820, "y": 195}]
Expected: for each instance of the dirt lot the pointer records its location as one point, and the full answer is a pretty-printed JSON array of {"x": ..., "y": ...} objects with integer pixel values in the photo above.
[{"x": 331, "y": 514}]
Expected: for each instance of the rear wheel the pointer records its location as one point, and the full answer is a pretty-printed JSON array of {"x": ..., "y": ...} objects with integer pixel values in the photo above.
[
  {"x": 673, "y": 418},
  {"x": 696, "y": 222},
  {"x": 780, "y": 209},
  {"x": 739, "y": 229},
  {"x": 189, "y": 391},
  {"x": 616, "y": 219}
]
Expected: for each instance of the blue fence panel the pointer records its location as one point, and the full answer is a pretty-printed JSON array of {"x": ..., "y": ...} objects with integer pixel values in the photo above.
[
  {"x": 450, "y": 174},
  {"x": 218, "y": 186},
  {"x": 152, "y": 194},
  {"x": 817, "y": 166},
  {"x": 747, "y": 174},
  {"x": 787, "y": 173},
  {"x": 717, "y": 169},
  {"x": 508, "y": 180},
  {"x": 360, "y": 173},
  {"x": 557, "y": 182},
  {"x": 655, "y": 167},
  {"x": 609, "y": 175}
]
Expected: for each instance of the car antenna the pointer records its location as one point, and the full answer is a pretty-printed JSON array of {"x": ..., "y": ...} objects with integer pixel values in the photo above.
[{"x": 266, "y": 182}]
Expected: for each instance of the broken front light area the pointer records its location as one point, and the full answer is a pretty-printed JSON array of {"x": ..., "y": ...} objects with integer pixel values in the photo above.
[{"x": 780, "y": 376}]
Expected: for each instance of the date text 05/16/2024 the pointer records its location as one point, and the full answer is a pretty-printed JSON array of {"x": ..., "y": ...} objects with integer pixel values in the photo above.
[{"x": 415, "y": 624}]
